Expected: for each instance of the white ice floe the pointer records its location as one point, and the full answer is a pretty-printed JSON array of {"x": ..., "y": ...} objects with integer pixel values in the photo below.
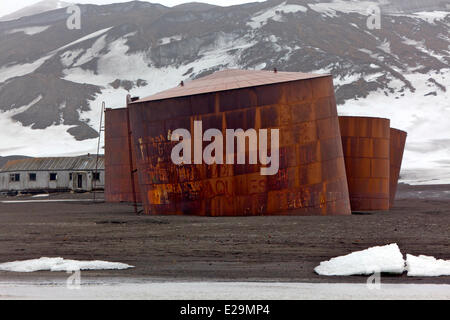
[
  {"x": 60, "y": 264},
  {"x": 386, "y": 259},
  {"x": 425, "y": 266}
]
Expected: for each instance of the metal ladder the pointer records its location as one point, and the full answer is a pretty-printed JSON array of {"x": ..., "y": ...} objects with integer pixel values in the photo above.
[{"x": 101, "y": 129}]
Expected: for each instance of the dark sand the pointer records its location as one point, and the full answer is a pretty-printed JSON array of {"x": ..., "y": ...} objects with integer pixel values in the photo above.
[{"x": 226, "y": 249}]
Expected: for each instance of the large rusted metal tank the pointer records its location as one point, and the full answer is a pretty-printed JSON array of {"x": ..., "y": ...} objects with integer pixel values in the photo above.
[
  {"x": 311, "y": 179},
  {"x": 398, "y": 141},
  {"x": 366, "y": 145},
  {"x": 118, "y": 171}
]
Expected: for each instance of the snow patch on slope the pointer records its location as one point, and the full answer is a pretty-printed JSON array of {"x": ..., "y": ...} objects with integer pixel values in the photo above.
[
  {"x": 428, "y": 16},
  {"x": 30, "y": 30},
  {"x": 60, "y": 264},
  {"x": 52, "y": 141},
  {"x": 331, "y": 9},
  {"x": 387, "y": 259},
  {"x": 85, "y": 38},
  {"x": 116, "y": 63},
  {"x": 167, "y": 40},
  {"x": 275, "y": 13},
  {"x": 18, "y": 70}
]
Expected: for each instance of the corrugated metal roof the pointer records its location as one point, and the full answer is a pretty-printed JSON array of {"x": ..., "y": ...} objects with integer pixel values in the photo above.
[
  {"x": 228, "y": 80},
  {"x": 82, "y": 163}
]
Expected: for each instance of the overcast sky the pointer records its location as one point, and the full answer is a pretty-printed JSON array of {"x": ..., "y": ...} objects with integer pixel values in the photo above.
[{"x": 8, "y": 6}]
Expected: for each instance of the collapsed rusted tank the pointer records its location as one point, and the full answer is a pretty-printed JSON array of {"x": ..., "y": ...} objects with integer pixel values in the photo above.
[
  {"x": 311, "y": 179},
  {"x": 366, "y": 145},
  {"x": 397, "y": 145},
  {"x": 119, "y": 172}
]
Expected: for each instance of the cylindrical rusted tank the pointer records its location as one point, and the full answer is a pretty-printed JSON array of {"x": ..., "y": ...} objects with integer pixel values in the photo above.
[
  {"x": 311, "y": 179},
  {"x": 366, "y": 145},
  {"x": 118, "y": 186},
  {"x": 398, "y": 141}
]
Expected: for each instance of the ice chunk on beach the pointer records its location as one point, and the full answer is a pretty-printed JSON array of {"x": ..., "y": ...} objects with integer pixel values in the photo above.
[
  {"x": 425, "y": 266},
  {"x": 60, "y": 264},
  {"x": 387, "y": 259}
]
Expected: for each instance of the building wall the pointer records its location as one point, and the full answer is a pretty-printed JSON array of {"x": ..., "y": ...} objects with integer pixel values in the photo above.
[{"x": 43, "y": 182}]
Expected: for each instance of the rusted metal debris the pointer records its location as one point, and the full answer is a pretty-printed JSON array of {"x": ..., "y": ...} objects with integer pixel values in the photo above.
[
  {"x": 397, "y": 145},
  {"x": 118, "y": 184}
]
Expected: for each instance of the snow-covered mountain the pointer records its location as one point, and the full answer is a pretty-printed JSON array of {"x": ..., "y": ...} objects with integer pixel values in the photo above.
[
  {"x": 41, "y": 6},
  {"x": 53, "y": 80}
]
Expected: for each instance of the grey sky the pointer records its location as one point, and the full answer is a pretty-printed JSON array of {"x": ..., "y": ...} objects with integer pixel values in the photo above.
[{"x": 7, "y": 6}]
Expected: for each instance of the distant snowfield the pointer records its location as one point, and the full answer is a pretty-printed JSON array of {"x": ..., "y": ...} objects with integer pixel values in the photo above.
[
  {"x": 143, "y": 289},
  {"x": 425, "y": 118}
]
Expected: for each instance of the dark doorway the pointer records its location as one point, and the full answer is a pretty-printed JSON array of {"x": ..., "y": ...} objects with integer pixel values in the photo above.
[{"x": 80, "y": 181}]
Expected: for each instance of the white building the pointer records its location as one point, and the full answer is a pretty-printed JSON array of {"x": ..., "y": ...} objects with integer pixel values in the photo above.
[{"x": 53, "y": 174}]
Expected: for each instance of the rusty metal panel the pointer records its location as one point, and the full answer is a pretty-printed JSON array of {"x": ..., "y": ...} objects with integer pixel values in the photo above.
[
  {"x": 397, "y": 145},
  {"x": 366, "y": 146},
  {"x": 311, "y": 180},
  {"x": 227, "y": 80},
  {"x": 118, "y": 187}
]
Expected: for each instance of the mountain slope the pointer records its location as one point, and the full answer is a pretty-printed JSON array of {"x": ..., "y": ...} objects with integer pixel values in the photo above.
[
  {"x": 41, "y": 6},
  {"x": 54, "y": 79}
]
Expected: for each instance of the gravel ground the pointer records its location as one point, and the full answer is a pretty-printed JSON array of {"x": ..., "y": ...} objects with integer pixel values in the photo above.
[{"x": 284, "y": 249}]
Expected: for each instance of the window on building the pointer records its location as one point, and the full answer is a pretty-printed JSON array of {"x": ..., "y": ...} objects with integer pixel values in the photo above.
[
  {"x": 53, "y": 176},
  {"x": 32, "y": 176},
  {"x": 97, "y": 176},
  {"x": 14, "y": 177},
  {"x": 71, "y": 176}
]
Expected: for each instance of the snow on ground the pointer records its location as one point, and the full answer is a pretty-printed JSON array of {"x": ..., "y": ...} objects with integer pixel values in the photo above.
[
  {"x": 424, "y": 266},
  {"x": 30, "y": 30},
  {"x": 18, "y": 70},
  {"x": 145, "y": 290},
  {"x": 52, "y": 141},
  {"x": 60, "y": 264},
  {"x": 332, "y": 8},
  {"x": 428, "y": 16},
  {"x": 275, "y": 13},
  {"x": 426, "y": 158},
  {"x": 385, "y": 259},
  {"x": 17, "y": 139},
  {"x": 116, "y": 63},
  {"x": 87, "y": 37},
  {"x": 167, "y": 40}
]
